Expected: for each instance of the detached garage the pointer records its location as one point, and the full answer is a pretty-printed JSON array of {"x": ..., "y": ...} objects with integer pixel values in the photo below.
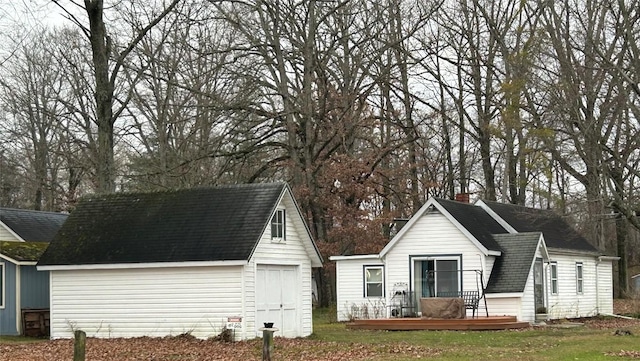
[{"x": 183, "y": 262}]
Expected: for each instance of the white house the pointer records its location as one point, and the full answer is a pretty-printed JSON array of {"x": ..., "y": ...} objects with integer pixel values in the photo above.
[
  {"x": 519, "y": 262},
  {"x": 191, "y": 261}
]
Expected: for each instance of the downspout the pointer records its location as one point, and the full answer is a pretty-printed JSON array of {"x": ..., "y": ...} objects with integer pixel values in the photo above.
[{"x": 597, "y": 287}]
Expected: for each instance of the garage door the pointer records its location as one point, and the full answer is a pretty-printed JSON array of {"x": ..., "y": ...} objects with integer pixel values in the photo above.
[{"x": 277, "y": 294}]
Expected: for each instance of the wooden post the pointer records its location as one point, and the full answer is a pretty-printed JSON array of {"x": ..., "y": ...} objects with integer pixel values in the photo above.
[
  {"x": 267, "y": 342},
  {"x": 79, "y": 345}
]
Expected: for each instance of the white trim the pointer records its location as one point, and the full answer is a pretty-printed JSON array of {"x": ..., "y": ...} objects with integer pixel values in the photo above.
[
  {"x": 141, "y": 265},
  {"x": 365, "y": 283},
  {"x": 355, "y": 257},
  {"x": 427, "y": 207},
  {"x": 3, "y": 289},
  {"x": 20, "y": 239},
  {"x": 553, "y": 264},
  {"x": 504, "y": 295},
  {"x": 19, "y": 263},
  {"x": 611, "y": 259},
  {"x": 496, "y": 217},
  {"x": 18, "y": 301},
  {"x": 580, "y": 278}
]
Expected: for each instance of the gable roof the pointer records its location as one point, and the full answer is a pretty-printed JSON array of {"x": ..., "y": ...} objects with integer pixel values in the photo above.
[
  {"x": 511, "y": 269},
  {"x": 480, "y": 224},
  {"x": 34, "y": 226},
  {"x": 472, "y": 221},
  {"x": 19, "y": 252},
  {"x": 557, "y": 232},
  {"x": 206, "y": 224}
]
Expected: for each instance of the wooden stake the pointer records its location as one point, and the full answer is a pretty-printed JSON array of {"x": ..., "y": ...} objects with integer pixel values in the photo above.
[
  {"x": 79, "y": 345},
  {"x": 267, "y": 343}
]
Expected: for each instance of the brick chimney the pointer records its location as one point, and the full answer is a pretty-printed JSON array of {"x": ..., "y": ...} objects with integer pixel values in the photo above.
[{"x": 462, "y": 197}]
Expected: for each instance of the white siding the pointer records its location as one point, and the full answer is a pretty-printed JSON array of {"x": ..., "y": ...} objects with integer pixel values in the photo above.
[
  {"x": 350, "y": 290},
  {"x": 144, "y": 302},
  {"x": 5, "y": 235},
  {"x": 292, "y": 252},
  {"x": 605, "y": 287},
  {"x": 433, "y": 234},
  {"x": 568, "y": 303},
  {"x": 527, "y": 311},
  {"x": 504, "y": 306}
]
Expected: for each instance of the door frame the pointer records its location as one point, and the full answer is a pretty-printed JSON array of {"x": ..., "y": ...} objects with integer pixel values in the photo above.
[
  {"x": 432, "y": 257},
  {"x": 296, "y": 294}
]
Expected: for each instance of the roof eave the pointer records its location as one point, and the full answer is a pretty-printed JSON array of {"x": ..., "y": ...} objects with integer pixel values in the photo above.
[
  {"x": 428, "y": 206},
  {"x": 109, "y": 266}
]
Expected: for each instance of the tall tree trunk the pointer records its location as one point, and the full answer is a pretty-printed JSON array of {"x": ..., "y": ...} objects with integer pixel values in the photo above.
[{"x": 101, "y": 49}]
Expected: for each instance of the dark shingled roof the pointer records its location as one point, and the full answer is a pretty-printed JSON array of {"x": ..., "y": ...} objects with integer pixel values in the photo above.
[
  {"x": 476, "y": 220},
  {"x": 23, "y": 251},
  {"x": 512, "y": 268},
  {"x": 205, "y": 224},
  {"x": 34, "y": 226},
  {"x": 557, "y": 232}
]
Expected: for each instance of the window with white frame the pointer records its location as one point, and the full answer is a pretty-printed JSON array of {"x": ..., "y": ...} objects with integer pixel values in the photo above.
[
  {"x": 373, "y": 281},
  {"x": 278, "y": 226},
  {"x": 553, "y": 270},
  {"x": 579, "y": 278}
]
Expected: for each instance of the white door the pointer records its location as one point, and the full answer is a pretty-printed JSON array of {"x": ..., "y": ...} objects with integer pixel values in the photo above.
[{"x": 277, "y": 294}]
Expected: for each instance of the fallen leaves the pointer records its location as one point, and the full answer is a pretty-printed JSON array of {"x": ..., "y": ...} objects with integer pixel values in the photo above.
[{"x": 182, "y": 348}]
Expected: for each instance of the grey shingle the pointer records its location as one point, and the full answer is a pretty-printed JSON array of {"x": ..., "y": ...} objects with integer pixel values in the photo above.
[
  {"x": 204, "y": 224},
  {"x": 511, "y": 269},
  {"x": 557, "y": 232},
  {"x": 476, "y": 220},
  {"x": 34, "y": 226}
]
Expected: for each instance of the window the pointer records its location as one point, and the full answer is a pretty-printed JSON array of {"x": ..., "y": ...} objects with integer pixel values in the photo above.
[
  {"x": 373, "y": 281},
  {"x": 554, "y": 277},
  {"x": 579, "y": 278},
  {"x": 2, "y": 285},
  {"x": 277, "y": 225}
]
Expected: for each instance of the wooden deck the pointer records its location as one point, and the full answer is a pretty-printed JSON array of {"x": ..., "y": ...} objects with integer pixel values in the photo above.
[{"x": 405, "y": 324}]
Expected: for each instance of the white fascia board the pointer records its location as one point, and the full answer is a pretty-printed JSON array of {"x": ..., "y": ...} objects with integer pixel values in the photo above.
[
  {"x": 495, "y": 216},
  {"x": 16, "y": 262},
  {"x": 141, "y": 265},
  {"x": 545, "y": 251},
  {"x": 355, "y": 257},
  {"x": 610, "y": 259},
  {"x": 431, "y": 202},
  {"x": 504, "y": 295}
]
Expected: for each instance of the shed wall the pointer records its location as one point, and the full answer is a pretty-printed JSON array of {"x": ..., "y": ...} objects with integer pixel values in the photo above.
[
  {"x": 294, "y": 251},
  {"x": 152, "y": 302}
]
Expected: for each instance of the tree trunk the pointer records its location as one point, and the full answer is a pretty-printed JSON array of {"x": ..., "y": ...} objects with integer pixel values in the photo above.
[{"x": 101, "y": 48}]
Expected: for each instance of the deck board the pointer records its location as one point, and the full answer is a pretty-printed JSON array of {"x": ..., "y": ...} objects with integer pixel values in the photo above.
[{"x": 402, "y": 324}]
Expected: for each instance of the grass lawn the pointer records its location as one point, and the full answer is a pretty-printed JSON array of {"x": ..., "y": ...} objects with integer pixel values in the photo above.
[
  {"x": 331, "y": 341},
  {"x": 594, "y": 341}
]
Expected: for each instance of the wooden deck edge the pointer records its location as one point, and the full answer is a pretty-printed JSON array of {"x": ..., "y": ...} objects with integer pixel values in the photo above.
[
  {"x": 400, "y": 324},
  {"x": 434, "y": 327}
]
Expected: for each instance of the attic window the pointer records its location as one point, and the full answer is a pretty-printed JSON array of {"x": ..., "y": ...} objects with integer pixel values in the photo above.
[{"x": 278, "y": 226}]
